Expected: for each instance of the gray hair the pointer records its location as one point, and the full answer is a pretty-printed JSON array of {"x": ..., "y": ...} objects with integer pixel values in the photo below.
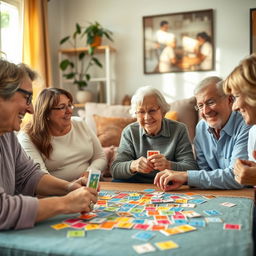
[
  {"x": 11, "y": 75},
  {"x": 209, "y": 81},
  {"x": 139, "y": 95}
]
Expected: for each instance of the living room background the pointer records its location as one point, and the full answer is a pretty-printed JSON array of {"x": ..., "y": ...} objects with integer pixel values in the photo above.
[{"x": 124, "y": 18}]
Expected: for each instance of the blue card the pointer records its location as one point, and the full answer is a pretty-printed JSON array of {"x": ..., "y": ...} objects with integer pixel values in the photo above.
[
  {"x": 143, "y": 235},
  {"x": 212, "y": 212}
]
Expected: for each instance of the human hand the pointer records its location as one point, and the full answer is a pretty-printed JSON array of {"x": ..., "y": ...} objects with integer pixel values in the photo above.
[
  {"x": 82, "y": 181},
  {"x": 80, "y": 200},
  {"x": 177, "y": 178},
  {"x": 245, "y": 172},
  {"x": 142, "y": 165},
  {"x": 159, "y": 162}
]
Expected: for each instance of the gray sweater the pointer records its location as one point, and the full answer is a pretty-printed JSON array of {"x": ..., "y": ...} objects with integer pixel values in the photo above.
[
  {"x": 172, "y": 141},
  {"x": 19, "y": 177}
]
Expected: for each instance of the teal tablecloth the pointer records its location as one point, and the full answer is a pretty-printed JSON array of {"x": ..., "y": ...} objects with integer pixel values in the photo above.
[{"x": 211, "y": 240}]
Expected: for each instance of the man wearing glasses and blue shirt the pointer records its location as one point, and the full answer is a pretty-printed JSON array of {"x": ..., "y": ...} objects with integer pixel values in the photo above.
[{"x": 221, "y": 138}]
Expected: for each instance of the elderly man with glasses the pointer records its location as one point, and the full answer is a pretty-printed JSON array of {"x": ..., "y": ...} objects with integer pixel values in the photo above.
[{"x": 221, "y": 138}]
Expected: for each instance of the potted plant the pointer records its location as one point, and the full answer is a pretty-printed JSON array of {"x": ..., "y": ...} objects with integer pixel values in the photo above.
[{"x": 76, "y": 68}]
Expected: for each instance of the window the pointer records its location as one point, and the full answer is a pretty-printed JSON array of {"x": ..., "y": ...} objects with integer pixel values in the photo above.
[{"x": 11, "y": 28}]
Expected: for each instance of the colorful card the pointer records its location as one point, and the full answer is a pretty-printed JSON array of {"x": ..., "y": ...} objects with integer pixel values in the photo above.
[
  {"x": 93, "y": 179},
  {"x": 75, "y": 233},
  {"x": 144, "y": 235},
  {"x": 166, "y": 245},
  {"x": 152, "y": 152},
  {"x": 78, "y": 225},
  {"x": 141, "y": 226},
  {"x": 213, "y": 219},
  {"x": 212, "y": 212},
  {"x": 60, "y": 226},
  {"x": 232, "y": 226}
]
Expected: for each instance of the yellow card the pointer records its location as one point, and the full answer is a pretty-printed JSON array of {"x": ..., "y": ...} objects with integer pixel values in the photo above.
[
  {"x": 92, "y": 226},
  {"x": 125, "y": 225},
  {"x": 60, "y": 226},
  {"x": 166, "y": 245},
  {"x": 124, "y": 219},
  {"x": 171, "y": 231},
  {"x": 108, "y": 225},
  {"x": 185, "y": 228},
  {"x": 181, "y": 201}
]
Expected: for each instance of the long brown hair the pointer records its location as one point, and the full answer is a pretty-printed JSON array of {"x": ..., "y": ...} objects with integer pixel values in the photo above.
[{"x": 38, "y": 129}]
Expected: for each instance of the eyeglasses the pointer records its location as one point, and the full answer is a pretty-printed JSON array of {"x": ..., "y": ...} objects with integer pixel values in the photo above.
[
  {"x": 28, "y": 94},
  {"x": 150, "y": 112},
  {"x": 208, "y": 103},
  {"x": 64, "y": 107}
]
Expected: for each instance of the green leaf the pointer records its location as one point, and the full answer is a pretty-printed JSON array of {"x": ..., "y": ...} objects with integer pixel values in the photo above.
[
  {"x": 96, "y": 61},
  {"x": 64, "y": 64},
  {"x": 81, "y": 83},
  {"x": 70, "y": 75},
  {"x": 88, "y": 77},
  {"x": 81, "y": 55},
  {"x": 78, "y": 28},
  {"x": 65, "y": 39}
]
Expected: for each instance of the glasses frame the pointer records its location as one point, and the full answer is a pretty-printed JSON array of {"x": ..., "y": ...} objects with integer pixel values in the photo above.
[
  {"x": 28, "y": 94},
  {"x": 64, "y": 107},
  {"x": 149, "y": 112},
  {"x": 208, "y": 103}
]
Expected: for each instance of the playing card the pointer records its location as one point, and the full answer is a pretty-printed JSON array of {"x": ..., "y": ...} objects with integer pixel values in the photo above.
[
  {"x": 232, "y": 226},
  {"x": 227, "y": 204},
  {"x": 144, "y": 248},
  {"x": 166, "y": 245},
  {"x": 152, "y": 152},
  {"x": 212, "y": 212},
  {"x": 75, "y": 233},
  {"x": 93, "y": 179},
  {"x": 60, "y": 226},
  {"x": 144, "y": 235}
]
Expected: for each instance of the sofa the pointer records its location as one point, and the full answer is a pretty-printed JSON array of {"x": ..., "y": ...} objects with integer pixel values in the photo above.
[{"x": 108, "y": 121}]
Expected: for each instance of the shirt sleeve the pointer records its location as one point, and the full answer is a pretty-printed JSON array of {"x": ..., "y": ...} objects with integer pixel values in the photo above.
[
  {"x": 220, "y": 178},
  {"x": 31, "y": 149},
  {"x": 98, "y": 161},
  {"x": 183, "y": 153},
  {"x": 252, "y": 143},
  {"x": 120, "y": 168}
]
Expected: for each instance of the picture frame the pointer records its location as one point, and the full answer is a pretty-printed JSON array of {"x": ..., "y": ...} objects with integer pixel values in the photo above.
[
  {"x": 252, "y": 30},
  {"x": 178, "y": 42}
]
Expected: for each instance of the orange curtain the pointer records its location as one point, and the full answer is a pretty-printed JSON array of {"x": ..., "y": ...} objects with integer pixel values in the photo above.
[{"x": 36, "y": 52}]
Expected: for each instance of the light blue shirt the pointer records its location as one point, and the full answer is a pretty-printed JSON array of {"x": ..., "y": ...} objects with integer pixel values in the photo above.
[{"x": 216, "y": 157}]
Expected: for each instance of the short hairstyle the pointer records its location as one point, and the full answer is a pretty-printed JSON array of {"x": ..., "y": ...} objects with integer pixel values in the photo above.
[
  {"x": 163, "y": 22},
  {"x": 38, "y": 129},
  {"x": 204, "y": 35},
  {"x": 140, "y": 94},
  {"x": 207, "y": 82},
  {"x": 243, "y": 79},
  {"x": 11, "y": 76}
]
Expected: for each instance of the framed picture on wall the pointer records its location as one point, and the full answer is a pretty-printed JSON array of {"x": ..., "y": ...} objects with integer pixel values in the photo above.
[
  {"x": 178, "y": 42},
  {"x": 253, "y": 30}
]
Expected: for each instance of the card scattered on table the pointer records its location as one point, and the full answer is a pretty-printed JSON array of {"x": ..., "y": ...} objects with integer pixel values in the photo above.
[
  {"x": 144, "y": 248},
  {"x": 166, "y": 245},
  {"x": 75, "y": 233},
  {"x": 231, "y": 226}
]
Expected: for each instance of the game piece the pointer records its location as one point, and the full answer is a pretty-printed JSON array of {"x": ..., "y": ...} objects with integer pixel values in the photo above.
[
  {"x": 144, "y": 235},
  {"x": 75, "y": 233},
  {"x": 212, "y": 212},
  {"x": 93, "y": 179},
  {"x": 229, "y": 226},
  {"x": 227, "y": 204},
  {"x": 152, "y": 152},
  {"x": 144, "y": 248},
  {"x": 213, "y": 219},
  {"x": 166, "y": 245},
  {"x": 60, "y": 226}
]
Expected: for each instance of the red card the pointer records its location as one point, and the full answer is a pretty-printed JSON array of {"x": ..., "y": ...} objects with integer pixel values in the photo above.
[{"x": 232, "y": 226}]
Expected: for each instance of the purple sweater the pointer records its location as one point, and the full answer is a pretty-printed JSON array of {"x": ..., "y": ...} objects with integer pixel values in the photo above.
[{"x": 19, "y": 177}]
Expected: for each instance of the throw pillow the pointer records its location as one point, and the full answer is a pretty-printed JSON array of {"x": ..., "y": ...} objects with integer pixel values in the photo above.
[
  {"x": 109, "y": 129},
  {"x": 173, "y": 115}
]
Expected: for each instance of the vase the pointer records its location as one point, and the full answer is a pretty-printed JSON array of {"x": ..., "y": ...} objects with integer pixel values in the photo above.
[
  {"x": 96, "y": 41},
  {"x": 83, "y": 96}
]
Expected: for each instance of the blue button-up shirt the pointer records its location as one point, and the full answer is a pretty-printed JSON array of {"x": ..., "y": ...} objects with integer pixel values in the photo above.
[{"x": 216, "y": 157}]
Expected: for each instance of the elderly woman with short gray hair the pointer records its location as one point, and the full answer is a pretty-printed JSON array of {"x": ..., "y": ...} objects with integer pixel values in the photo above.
[{"x": 167, "y": 140}]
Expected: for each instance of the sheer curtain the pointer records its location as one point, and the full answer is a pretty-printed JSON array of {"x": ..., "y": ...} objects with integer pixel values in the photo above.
[{"x": 36, "y": 52}]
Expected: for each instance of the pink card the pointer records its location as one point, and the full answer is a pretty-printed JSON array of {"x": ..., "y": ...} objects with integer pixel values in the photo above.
[{"x": 232, "y": 226}]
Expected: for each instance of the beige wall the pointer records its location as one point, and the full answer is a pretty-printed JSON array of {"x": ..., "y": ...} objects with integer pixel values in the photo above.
[{"x": 124, "y": 18}]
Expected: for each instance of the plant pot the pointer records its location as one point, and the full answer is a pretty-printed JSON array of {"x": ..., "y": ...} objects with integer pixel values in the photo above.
[
  {"x": 97, "y": 40},
  {"x": 83, "y": 96}
]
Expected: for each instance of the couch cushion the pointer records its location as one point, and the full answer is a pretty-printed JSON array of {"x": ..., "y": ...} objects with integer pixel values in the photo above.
[
  {"x": 172, "y": 115},
  {"x": 106, "y": 110},
  {"x": 186, "y": 114},
  {"x": 109, "y": 129}
]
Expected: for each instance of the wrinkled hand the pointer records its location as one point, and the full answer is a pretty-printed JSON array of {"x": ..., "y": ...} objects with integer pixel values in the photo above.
[
  {"x": 177, "y": 178},
  {"x": 159, "y": 162},
  {"x": 142, "y": 165},
  {"x": 245, "y": 172},
  {"x": 79, "y": 200}
]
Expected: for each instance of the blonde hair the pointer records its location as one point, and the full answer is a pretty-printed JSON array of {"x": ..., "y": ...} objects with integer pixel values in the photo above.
[
  {"x": 38, "y": 128},
  {"x": 243, "y": 79}
]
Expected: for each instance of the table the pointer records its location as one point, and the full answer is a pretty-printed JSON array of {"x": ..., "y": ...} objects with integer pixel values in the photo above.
[{"x": 210, "y": 240}]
